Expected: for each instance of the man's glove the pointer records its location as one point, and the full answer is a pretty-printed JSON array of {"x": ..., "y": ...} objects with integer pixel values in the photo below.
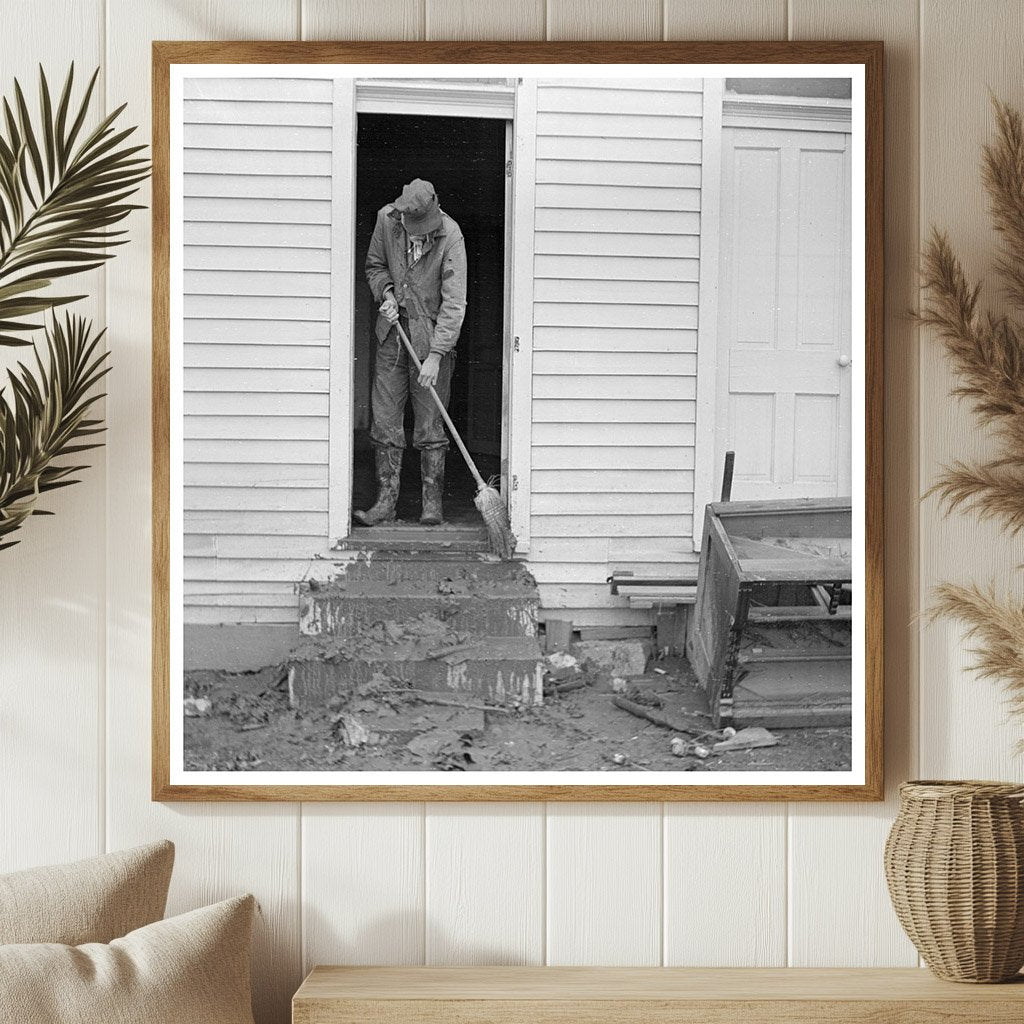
[
  {"x": 389, "y": 308},
  {"x": 429, "y": 369}
]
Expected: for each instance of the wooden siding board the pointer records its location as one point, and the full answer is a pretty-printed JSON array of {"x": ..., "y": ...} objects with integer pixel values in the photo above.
[{"x": 257, "y": 302}]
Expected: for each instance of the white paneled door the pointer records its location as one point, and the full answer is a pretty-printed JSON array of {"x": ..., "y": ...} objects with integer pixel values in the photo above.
[{"x": 784, "y": 340}]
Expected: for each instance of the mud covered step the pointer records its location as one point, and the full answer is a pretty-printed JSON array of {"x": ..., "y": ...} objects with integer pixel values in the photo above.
[
  {"x": 501, "y": 669},
  {"x": 412, "y": 537},
  {"x": 432, "y": 566},
  {"x": 493, "y": 608}
]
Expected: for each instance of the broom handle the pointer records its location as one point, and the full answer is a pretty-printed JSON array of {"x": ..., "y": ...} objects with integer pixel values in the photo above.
[{"x": 443, "y": 411}]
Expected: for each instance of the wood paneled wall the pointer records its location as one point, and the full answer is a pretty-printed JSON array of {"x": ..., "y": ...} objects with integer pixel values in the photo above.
[{"x": 518, "y": 883}]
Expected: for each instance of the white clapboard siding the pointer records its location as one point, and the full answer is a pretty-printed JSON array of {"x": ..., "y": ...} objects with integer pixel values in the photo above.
[
  {"x": 617, "y": 237},
  {"x": 257, "y": 262}
]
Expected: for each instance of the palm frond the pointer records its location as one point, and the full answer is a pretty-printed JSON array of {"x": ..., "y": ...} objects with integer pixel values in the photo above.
[
  {"x": 46, "y": 418},
  {"x": 63, "y": 190}
]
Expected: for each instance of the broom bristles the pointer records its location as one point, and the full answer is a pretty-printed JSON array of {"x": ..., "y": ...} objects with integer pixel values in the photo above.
[{"x": 499, "y": 532}]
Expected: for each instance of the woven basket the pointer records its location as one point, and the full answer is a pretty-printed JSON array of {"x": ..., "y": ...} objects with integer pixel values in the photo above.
[{"x": 954, "y": 861}]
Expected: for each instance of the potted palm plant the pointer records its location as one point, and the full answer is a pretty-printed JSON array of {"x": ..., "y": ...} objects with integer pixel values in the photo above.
[{"x": 64, "y": 189}]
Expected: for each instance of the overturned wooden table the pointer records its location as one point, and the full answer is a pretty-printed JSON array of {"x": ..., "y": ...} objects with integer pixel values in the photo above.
[{"x": 638, "y": 995}]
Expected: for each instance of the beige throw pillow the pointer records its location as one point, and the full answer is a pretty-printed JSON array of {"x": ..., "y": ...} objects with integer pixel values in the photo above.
[
  {"x": 191, "y": 969},
  {"x": 92, "y": 900}
]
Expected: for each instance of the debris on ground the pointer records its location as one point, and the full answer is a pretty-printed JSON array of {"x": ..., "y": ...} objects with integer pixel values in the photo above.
[
  {"x": 615, "y": 657},
  {"x": 746, "y": 739},
  {"x": 197, "y": 707},
  {"x": 244, "y": 722}
]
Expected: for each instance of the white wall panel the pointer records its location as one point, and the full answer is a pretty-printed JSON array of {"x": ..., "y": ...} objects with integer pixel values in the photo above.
[
  {"x": 222, "y": 848},
  {"x": 827, "y": 844},
  {"x": 619, "y": 884},
  {"x": 52, "y": 615}
]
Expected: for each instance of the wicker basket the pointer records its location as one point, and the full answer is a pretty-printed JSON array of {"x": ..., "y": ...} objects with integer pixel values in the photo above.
[{"x": 954, "y": 861}]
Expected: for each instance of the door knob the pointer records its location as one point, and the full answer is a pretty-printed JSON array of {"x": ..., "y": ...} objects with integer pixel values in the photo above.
[{"x": 844, "y": 360}]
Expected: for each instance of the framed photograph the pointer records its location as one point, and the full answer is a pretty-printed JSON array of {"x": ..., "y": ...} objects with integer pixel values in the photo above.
[{"x": 517, "y": 420}]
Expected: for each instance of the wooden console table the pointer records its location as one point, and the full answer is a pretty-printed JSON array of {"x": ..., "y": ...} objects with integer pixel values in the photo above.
[{"x": 635, "y": 995}]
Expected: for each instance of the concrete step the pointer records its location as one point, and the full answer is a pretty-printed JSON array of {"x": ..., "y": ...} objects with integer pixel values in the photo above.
[
  {"x": 505, "y": 608},
  {"x": 410, "y": 537},
  {"x": 400, "y": 566},
  {"x": 498, "y": 668}
]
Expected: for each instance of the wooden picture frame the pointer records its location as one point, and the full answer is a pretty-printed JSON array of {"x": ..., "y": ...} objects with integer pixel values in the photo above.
[{"x": 867, "y": 747}]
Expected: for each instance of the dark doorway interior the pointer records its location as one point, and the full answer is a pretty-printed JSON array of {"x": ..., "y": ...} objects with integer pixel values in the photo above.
[{"x": 464, "y": 158}]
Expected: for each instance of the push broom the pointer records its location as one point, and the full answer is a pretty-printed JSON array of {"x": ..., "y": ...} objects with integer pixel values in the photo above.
[{"x": 488, "y": 501}]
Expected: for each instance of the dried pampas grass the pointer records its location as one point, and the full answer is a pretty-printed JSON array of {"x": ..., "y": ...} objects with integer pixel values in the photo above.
[{"x": 986, "y": 351}]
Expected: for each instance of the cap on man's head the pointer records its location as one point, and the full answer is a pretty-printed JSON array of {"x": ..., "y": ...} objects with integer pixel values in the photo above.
[{"x": 419, "y": 208}]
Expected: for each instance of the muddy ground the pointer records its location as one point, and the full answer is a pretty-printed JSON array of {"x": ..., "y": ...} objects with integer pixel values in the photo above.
[{"x": 244, "y": 723}]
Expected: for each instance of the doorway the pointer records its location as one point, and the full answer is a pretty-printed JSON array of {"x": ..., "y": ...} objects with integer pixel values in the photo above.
[{"x": 465, "y": 158}]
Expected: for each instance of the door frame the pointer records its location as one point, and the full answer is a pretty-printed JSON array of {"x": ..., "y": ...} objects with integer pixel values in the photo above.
[
  {"x": 405, "y": 96},
  {"x": 721, "y": 112}
]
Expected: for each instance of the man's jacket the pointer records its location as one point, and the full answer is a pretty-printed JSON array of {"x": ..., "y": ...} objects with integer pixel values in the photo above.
[{"x": 432, "y": 290}]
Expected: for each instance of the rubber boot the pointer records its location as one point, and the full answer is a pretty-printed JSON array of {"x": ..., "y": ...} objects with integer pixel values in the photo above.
[
  {"x": 389, "y": 473},
  {"x": 432, "y": 471}
]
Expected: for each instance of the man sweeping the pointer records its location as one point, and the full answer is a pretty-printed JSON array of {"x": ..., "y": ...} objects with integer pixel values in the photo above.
[{"x": 416, "y": 269}]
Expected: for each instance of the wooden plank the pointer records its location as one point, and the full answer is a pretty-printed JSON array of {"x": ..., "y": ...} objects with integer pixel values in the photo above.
[
  {"x": 649, "y": 125},
  {"x": 254, "y": 545},
  {"x": 658, "y": 151},
  {"x": 332, "y": 995},
  {"x": 240, "y": 161},
  {"x": 272, "y": 259},
  {"x": 750, "y": 858},
  {"x": 667, "y": 525},
  {"x": 388, "y": 19},
  {"x": 52, "y": 698},
  {"x": 612, "y": 268},
  {"x": 612, "y": 389},
  {"x": 583, "y": 414},
  {"x": 572, "y": 19},
  {"x": 241, "y": 427},
  {"x": 624, "y": 434},
  {"x": 614, "y": 339},
  {"x": 279, "y": 524},
  {"x": 271, "y": 89},
  {"x": 616, "y": 244},
  {"x": 290, "y": 236},
  {"x": 616, "y": 197},
  {"x": 484, "y": 19},
  {"x": 246, "y": 210},
  {"x": 263, "y": 138},
  {"x": 248, "y": 357},
  {"x": 679, "y": 85},
  {"x": 728, "y": 19},
  {"x": 257, "y": 112},
  {"x": 207, "y": 403},
  {"x": 254, "y": 474},
  {"x": 244, "y": 380},
  {"x": 237, "y": 614},
  {"x": 265, "y": 499},
  {"x": 604, "y": 877},
  {"x": 644, "y": 175},
  {"x": 363, "y": 884},
  {"x": 605, "y": 291},
  {"x": 567, "y": 457},
  {"x": 618, "y": 221},
  {"x": 587, "y": 315},
  {"x": 256, "y": 186},
  {"x": 269, "y": 307},
  {"x": 312, "y": 453},
  {"x": 605, "y": 504},
  {"x": 256, "y": 332},
  {"x": 648, "y": 102},
  {"x": 484, "y": 879},
  {"x": 628, "y": 481}
]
